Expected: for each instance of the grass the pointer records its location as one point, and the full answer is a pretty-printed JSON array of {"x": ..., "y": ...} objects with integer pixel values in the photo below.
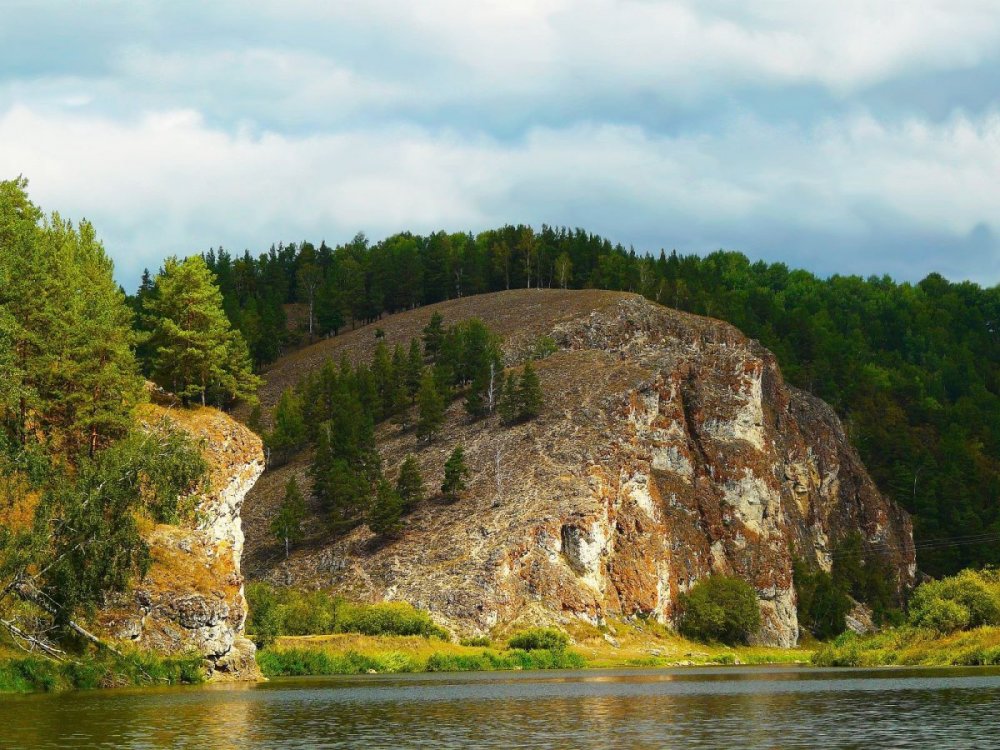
[
  {"x": 25, "y": 674},
  {"x": 910, "y": 646},
  {"x": 632, "y": 645}
]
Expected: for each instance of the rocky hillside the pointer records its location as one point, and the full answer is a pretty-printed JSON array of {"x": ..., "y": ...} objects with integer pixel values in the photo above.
[
  {"x": 669, "y": 448},
  {"x": 192, "y": 598}
]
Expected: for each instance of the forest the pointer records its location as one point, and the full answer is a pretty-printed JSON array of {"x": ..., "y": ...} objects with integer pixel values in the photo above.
[{"x": 913, "y": 369}]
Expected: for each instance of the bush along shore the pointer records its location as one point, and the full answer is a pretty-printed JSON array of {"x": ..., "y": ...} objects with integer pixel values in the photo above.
[
  {"x": 36, "y": 674},
  {"x": 952, "y": 621}
]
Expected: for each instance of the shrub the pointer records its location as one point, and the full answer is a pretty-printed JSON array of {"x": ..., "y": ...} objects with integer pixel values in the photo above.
[
  {"x": 479, "y": 640},
  {"x": 534, "y": 639},
  {"x": 390, "y": 618},
  {"x": 822, "y": 604},
  {"x": 969, "y": 599},
  {"x": 720, "y": 609}
]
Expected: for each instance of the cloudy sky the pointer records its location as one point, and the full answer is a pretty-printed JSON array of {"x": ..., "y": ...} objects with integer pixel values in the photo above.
[{"x": 857, "y": 136}]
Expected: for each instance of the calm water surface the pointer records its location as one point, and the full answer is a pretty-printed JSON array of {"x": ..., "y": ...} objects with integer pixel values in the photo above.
[{"x": 689, "y": 708}]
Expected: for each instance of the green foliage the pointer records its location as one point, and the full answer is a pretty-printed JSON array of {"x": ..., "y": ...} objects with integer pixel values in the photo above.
[
  {"x": 479, "y": 640},
  {"x": 529, "y": 394},
  {"x": 544, "y": 347},
  {"x": 431, "y": 407},
  {"x": 303, "y": 662},
  {"x": 34, "y": 674},
  {"x": 197, "y": 352},
  {"x": 386, "y": 515},
  {"x": 280, "y": 611},
  {"x": 85, "y": 526},
  {"x": 822, "y": 606},
  {"x": 868, "y": 577},
  {"x": 969, "y": 599},
  {"x": 410, "y": 483},
  {"x": 70, "y": 379},
  {"x": 286, "y": 526},
  {"x": 455, "y": 472},
  {"x": 389, "y": 618},
  {"x": 720, "y": 609},
  {"x": 289, "y": 433},
  {"x": 539, "y": 638},
  {"x": 434, "y": 336}
]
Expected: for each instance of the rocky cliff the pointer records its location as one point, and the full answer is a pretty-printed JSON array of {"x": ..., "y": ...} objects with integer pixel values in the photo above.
[
  {"x": 192, "y": 598},
  {"x": 670, "y": 448}
]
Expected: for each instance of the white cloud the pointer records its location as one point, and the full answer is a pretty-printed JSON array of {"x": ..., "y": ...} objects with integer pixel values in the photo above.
[{"x": 170, "y": 183}]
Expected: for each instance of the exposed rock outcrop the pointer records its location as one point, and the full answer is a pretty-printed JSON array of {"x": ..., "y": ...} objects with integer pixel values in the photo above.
[
  {"x": 192, "y": 598},
  {"x": 670, "y": 448}
]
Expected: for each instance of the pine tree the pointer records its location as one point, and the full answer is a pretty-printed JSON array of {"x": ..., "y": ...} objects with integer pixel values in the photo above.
[
  {"x": 529, "y": 394},
  {"x": 414, "y": 368},
  {"x": 385, "y": 518},
  {"x": 455, "y": 472},
  {"x": 510, "y": 400},
  {"x": 410, "y": 484},
  {"x": 289, "y": 433},
  {"x": 431, "y": 407},
  {"x": 70, "y": 379},
  {"x": 197, "y": 351},
  {"x": 287, "y": 525},
  {"x": 434, "y": 336}
]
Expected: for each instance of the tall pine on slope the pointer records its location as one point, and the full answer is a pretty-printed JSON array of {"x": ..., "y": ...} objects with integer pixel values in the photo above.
[
  {"x": 287, "y": 525},
  {"x": 198, "y": 354}
]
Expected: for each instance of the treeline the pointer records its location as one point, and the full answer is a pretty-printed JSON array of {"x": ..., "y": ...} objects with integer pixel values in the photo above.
[
  {"x": 335, "y": 411},
  {"x": 913, "y": 369}
]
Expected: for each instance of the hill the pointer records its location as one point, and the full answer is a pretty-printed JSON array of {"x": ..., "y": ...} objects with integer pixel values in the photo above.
[{"x": 669, "y": 448}]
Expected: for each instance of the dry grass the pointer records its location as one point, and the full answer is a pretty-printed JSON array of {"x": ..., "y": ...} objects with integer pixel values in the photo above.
[{"x": 518, "y": 316}]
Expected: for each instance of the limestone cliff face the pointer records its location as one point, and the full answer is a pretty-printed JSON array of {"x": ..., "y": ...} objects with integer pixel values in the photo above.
[
  {"x": 669, "y": 449},
  {"x": 192, "y": 598}
]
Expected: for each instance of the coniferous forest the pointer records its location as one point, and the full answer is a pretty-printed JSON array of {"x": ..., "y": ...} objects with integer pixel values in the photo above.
[{"x": 912, "y": 369}]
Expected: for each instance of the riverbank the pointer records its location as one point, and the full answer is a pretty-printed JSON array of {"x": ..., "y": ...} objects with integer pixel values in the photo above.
[
  {"x": 910, "y": 646},
  {"x": 350, "y": 653},
  {"x": 29, "y": 674}
]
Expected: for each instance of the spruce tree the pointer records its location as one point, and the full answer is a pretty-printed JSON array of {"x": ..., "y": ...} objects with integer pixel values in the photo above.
[
  {"x": 529, "y": 394},
  {"x": 289, "y": 433},
  {"x": 385, "y": 518},
  {"x": 287, "y": 525},
  {"x": 410, "y": 484},
  {"x": 434, "y": 336},
  {"x": 510, "y": 399},
  {"x": 431, "y": 407},
  {"x": 414, "y": 368},
  {"x": 455, "y": 472},
  {"x": 197, "y": 351}
]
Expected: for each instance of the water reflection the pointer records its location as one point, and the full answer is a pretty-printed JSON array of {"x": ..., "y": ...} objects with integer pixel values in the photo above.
[{"x": 691, "y": 709}]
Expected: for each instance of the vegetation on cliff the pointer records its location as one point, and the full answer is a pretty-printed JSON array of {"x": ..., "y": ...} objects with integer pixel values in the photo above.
[
  {"x": 913, "y": 369},
  {"x": 80, "y": 477}
]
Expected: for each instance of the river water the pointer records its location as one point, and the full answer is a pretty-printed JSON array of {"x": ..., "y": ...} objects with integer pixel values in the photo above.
[{"x": 734, "y": 707}]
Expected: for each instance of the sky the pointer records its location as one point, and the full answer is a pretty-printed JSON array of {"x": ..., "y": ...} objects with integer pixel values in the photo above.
[{"x": 856, "y": 136}]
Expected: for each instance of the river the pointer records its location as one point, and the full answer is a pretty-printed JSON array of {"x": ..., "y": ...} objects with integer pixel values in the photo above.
[{"x": 726, "y": 707}]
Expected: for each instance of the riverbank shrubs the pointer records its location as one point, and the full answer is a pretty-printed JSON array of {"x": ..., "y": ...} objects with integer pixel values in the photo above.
[
  {"x": 277, "y": 611},
  {"x": 967, "y": 600},
  {"x": 720, "y": 609},
  {"x": 300, "y": 662},
  {"x": 36, "y": 674},
  {"x": 538, "y": 639}
]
